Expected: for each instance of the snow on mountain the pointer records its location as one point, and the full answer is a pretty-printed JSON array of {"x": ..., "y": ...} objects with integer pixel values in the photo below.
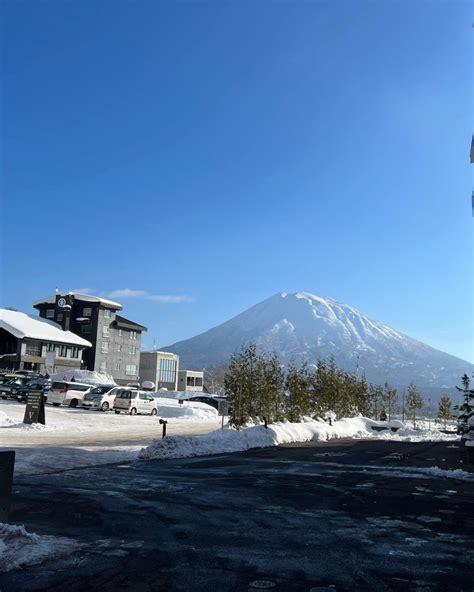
[{"x": 304, "y": 326}]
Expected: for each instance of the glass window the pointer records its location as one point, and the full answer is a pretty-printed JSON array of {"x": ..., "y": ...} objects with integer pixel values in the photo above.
[
  {"x": 119, "y": 347},
  {"x": 198, "y": 381},
  {"x": 131, "y": 369},
  {"x": 107, "y": 313},
  {"x": 85, "y": 328},
  {"x": 105, "y": 331},
  {"x": 103, "y": 366},
  {"x": 105, "y": 347},
  {"x": 132, "y": 350},
  {"x": 50, "y": 313},
  {"x": 117, "y": 366},
  {"x": 87, "y": 312},
  {"x": 120, "y": 332}
]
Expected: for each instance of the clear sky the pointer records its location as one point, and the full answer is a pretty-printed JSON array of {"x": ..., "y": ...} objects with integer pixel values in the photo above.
[{"x": 222, "y": 152}]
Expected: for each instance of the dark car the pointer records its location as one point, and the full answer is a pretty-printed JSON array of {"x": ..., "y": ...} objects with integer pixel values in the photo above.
[
  {"x": 35, "y": 384},
  {"x": 10, "y": 388}
]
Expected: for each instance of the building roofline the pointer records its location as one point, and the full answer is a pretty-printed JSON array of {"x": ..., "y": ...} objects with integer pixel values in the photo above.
[{"x": 82, "y": 298}]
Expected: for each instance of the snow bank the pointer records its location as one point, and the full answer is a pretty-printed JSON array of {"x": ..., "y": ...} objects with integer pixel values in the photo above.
[
  {"x": 171, "y": 409},
  {"x": 85, "y": 376},
  {"x": 19, "y": 547},
  {"x": 231, "y": 440}
]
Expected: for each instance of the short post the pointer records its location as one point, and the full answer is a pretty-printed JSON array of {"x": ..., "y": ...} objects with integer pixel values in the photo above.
[
  {"x": 163, "y": 423},
  {"x": 7, "y": 463},
  {"x": 265, "y": 422}
]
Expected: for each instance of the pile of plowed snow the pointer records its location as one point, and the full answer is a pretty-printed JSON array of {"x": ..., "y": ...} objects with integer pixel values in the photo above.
[{"x": 232, "y": 440}]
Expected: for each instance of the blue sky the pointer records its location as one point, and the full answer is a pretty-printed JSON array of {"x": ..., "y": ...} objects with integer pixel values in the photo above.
[{"x": 218, "y": 153}]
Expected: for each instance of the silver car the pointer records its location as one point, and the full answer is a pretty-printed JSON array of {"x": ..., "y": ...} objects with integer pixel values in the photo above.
[{"x": 131, "y": 401}]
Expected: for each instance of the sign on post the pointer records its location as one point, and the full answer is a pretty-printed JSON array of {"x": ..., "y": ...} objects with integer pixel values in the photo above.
[
  {"x": 7, "y": 462},
  {"x": 34, "y": 412},
  {"x": 222, "y": 410}
]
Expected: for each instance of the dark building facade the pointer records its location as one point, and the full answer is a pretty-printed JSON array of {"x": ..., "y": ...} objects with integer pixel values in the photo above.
[{"x": 116, "y": 341}]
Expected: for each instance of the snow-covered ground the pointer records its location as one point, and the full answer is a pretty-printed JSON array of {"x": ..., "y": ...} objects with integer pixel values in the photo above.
[
  {"x": 79, "y": 437},
  {"x": 230, "y": 440}
]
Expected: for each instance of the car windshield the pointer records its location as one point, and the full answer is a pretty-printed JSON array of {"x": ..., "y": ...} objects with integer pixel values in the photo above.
[
  {"x": 100, "y": 390},
  {"x": 126, "y": 395}
]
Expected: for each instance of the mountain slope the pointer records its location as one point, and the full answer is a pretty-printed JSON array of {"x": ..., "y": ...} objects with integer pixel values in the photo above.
[{"x": 303, "y": 326}]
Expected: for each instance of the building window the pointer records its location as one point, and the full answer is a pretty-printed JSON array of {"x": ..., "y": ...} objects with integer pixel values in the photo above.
[
  {"x": 120, "y": 332},
  {"x": 33, "y": 349},
  {"x": 105, "y": 331},
  {"x": 133, "y": 334},
  {"x": 60, "y": 317},
  {"x": 50, "y": 347},
  {"x": 105, "y": 347},
  {"x": 118, "y": 366},
  {"x": 62, "y": 351},
  {"x": 107, "y": 313},
  {"x": 85, "y": 328},
  {"x": 74, "y": 352},
  {"x": 103, "y": 366},
  {"x": 131, "y": 369},
  {"x": 50, "y": 313},
  {"x": 119, "y": 347},
  {"x": 198, "y": 381},
  {"x": 87, "y": 312},
  {"x": 132, "y": 350}
]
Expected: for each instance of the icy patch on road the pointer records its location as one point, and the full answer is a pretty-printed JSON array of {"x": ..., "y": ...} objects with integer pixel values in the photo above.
[{"x": 19, "y": 547}]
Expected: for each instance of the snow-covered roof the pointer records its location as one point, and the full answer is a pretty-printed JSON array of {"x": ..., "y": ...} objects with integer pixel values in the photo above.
[
  {"x": 21, "y": 325},
  {"x": 82, "y": 297}
]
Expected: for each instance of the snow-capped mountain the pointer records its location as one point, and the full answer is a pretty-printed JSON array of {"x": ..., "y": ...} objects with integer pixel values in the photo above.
[{"x": 303, "y": 326}]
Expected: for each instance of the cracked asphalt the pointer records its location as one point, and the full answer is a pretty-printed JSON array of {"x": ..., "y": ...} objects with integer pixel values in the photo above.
[{"x": 345, "y": 515}]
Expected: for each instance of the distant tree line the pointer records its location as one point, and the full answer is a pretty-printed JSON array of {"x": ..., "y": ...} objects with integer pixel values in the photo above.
[{"x": 258, "y": 387}]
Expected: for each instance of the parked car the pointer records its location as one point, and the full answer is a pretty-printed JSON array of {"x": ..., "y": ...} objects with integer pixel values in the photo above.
[
  {"x": 64, "y": 392},
  {"x": 35, "y": 384},
  {"x": 10, "y": 388},
  {"x": 100, "y": 397},
  {"x": 131, "y": 401}
]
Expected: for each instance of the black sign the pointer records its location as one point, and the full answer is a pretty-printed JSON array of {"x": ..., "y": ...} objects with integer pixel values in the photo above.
[
  {"x": 34, "y": 412},
  {"x": 7, "y": 462}
]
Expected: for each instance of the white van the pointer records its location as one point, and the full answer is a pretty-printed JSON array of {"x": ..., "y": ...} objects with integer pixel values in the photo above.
[
  {"x": 132, "y": 402},
  {"x": 101, "y": 397},
  {"x": 63, "y": 392}
]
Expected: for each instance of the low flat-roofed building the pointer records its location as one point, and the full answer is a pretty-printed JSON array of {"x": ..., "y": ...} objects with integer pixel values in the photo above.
[
  {"x": 190, "y": 380},
  {"x": 161, "y": 368},
  {"x": 31, "y": 343}
]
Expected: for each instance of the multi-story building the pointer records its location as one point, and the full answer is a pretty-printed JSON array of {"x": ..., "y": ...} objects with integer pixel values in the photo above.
[
  {"x": 116, "y": 341},
  {"x": 161, "y": 368},
  {"x": 31, "y": 343},
  {"x": 190, "y": 380}
]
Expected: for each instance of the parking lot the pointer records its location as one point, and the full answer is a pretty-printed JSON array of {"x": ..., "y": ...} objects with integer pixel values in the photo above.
[{"x": 353, "y": 515}]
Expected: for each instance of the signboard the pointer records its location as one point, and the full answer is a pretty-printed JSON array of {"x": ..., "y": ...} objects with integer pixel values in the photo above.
[
  {"x": 7, "y": 462},
  {"x": 50, "y": 359},
  {"x": 223, "y": 408},
  {"x": 34, "y": 412}
]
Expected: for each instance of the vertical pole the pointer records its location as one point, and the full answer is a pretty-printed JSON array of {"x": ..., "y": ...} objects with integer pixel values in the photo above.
[
  {"x": 222, "y": 425},
  {"x": 403, "y": 406}
]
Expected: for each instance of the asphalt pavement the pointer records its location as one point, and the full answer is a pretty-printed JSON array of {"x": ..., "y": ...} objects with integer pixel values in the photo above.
[{"x": 342, "y": 516}]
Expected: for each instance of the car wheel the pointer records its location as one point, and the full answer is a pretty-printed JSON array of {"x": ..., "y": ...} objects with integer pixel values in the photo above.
[
  {"x": 117, "y": 411},
  {"x": 56, "y": 404},
  {"x": 154, "y": 411},
  {"x": 104, "y": 406},
  {"x": 73, "y": 403},
  {"x": 133, "y": 411}
]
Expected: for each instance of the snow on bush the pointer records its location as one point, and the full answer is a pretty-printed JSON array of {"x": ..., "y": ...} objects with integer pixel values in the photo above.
[
  {"x": 19, "y": 547},
  {"x": 84, "y": 376}
]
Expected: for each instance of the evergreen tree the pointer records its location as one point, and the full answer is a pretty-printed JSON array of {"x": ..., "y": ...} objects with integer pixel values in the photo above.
[
  {"x": 390, "y": 398},
  {"x": 241, "y": 384},
  {"x": 466, "y": 409},
  {"x": 271, "y": 401},
  {"x": 298, "y": 387},
  {"x": 413, "y": 402},
  {"x": 444, "y": 409}
]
